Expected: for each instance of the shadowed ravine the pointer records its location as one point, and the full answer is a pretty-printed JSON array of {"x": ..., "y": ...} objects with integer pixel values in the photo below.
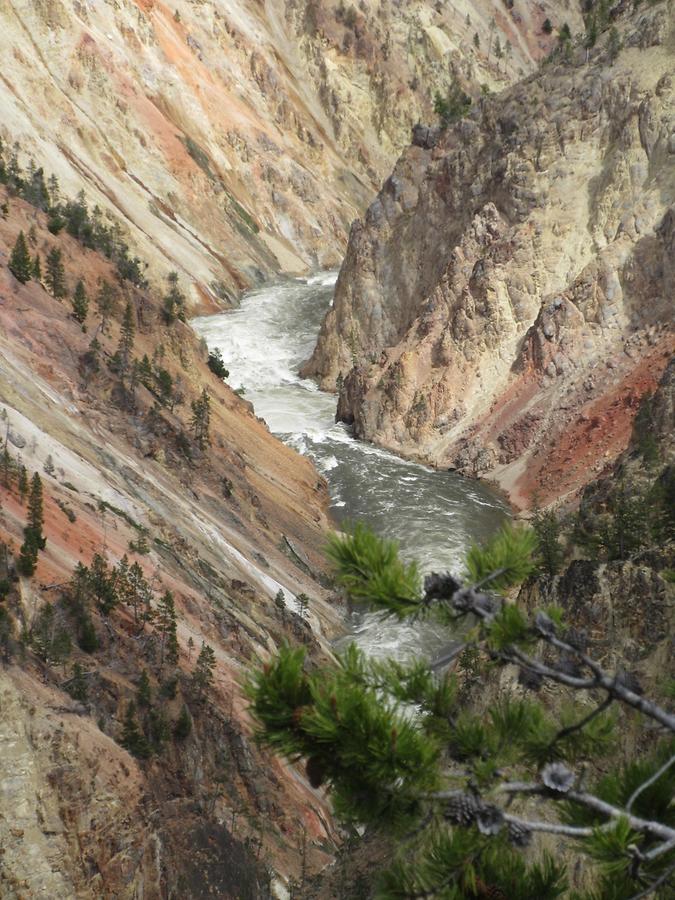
[{"x": 434, "y": 515}]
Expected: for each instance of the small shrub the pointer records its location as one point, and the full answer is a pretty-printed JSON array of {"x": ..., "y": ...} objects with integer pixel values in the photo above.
[{"x": 216, "y": 364}]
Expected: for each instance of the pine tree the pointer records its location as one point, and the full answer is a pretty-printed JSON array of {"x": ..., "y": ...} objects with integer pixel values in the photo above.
[
  {"x": 27, "y": 561},
  {"x": 49, "y": 637},
  {"x": 55, "y": 275},
  {"x": 159, "y": 730},
  {"x": 35, "y": 508},
  {"x": 144, "y": 692},
  {"x": 126, "y": 343},
  {"x": 303, "y": 605},
  {"x": 80, "y": 303},
  {"x": 106, "y": 301},
  {"x": 54, "y": 190},
  {"x": 455, "y": 780},
  {"x": 133, "y": 738},
  {"x": 165, "y": 623},
  {"x": 23, "y": 482},
  {"x": 103, "y": 584},
  {"x": 614, "y": 43},
  {"x": 139, "y": 593},
  {"x": 174, "y": 302},
  {"x": 77, "y": 684},
  {"x": 183, "y": 725},
  {"x": 6, "y": 466},
  {"x": 34, "y": 540},
  {"x": 201, "y": 420},
  {"x": 37, "y": 267},
  {"x": 202, "y": 676},
  {"x": 217, "y": 365},
  {"x": 547, "y": 529},
  {"x": 20, "y": 263},
  {"x": 87, "y": 638}
]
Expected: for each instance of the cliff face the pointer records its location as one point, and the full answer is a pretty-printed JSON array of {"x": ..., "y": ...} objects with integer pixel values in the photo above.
[
  {"x": 508, "y": 297},
  {"x": 224, "y": 527},
  {"x": 238, "y": 139},
  {"x": 623, "y": 604}
]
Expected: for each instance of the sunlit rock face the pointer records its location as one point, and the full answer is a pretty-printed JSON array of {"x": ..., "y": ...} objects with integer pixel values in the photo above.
[
  {"x": 507, "y": 298},
  {"x": 237, "y": 139}
]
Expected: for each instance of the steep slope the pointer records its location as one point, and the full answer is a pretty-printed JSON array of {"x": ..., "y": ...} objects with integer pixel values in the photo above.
[
  {"x": 238, "y": 139},
  {"x": 224, "y": 528},
  {"x": 508, "y": 297}
]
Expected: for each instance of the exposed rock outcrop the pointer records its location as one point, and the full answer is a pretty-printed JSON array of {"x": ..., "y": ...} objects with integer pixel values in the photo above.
[
  {"x": 508, "y": 297},
  {"x": 237, "y": 139},
  {"x": 210, "y": 814}
]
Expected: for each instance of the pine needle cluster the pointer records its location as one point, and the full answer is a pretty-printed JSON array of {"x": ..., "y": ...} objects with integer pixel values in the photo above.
[{"x": 401, "y": 751}]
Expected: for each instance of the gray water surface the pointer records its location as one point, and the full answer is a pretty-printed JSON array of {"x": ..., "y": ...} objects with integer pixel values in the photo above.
[{"x": 435, "y": 516}]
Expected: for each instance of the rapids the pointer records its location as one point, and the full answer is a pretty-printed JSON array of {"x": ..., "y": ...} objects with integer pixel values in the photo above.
[{"x": 435, "y": 516}]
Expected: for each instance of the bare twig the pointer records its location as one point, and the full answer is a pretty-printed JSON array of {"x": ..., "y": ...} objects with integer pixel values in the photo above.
[
  {"x": 462, "y": 601},
  {"x": 650, "y": 781},
  {"x": 648, "y": 826},
  {"x": 571, "y": 729}
]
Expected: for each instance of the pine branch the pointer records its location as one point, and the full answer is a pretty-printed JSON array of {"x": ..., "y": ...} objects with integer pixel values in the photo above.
[
  {"x": 519, "y": 658},
  {"x": 571, "y": 729},
  {"x": 659, "y": 850},
  {"x": 467, "y": 601},
  {"x": 575, "y": 831},
  {"x": 613, "y": 686},
  {"x": 590, "y": 801},
  {"x": 650, "y": 781},
  {"x": 661, "y": 880}
]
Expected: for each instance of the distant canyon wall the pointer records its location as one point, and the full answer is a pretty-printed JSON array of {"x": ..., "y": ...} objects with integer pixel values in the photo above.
[
  {"x": 508, "y": 297},
  {"x": 234, "y": 140}
]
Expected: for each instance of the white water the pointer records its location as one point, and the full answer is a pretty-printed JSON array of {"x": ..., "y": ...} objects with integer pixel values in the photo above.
[{"x": 434, "y": 515}]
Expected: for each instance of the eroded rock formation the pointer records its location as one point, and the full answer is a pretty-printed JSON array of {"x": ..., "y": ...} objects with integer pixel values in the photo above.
[
  {"x": 508, "y": 297},
  {"x": 238, "y": 139},
  {"x": 210, "y": 814}
]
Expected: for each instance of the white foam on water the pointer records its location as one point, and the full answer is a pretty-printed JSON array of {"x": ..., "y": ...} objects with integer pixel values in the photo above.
[{"x": 435, "y": 516}]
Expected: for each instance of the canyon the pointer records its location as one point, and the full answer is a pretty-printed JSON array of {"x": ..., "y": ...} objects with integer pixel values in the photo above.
[
  {"x": 503, "y": 309},
  {"x": 237, "y": 140},
  {"x": 507, "y": 299}
]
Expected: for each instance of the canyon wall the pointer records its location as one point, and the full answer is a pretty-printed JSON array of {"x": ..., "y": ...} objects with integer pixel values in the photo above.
[
  {"x": 234, "y": 140},
  {"x": 508, "y": 297},
  {"x": 224, "y": 527}
]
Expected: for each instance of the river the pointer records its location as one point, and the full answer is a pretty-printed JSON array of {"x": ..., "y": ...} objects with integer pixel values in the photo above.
[{"x": 434, "y": 515}]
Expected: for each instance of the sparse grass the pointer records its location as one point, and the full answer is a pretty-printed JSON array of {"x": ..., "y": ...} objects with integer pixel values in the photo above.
[
  {"x": 66, "y": 510},
  {"x": 104, "y": 505}
]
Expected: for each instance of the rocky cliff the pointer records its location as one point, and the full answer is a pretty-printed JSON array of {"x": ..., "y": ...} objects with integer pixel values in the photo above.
[
  {"x": 235, "y": 140},
  {"x": 224, "y": 527},
  {"x": 507, "y": 299}
]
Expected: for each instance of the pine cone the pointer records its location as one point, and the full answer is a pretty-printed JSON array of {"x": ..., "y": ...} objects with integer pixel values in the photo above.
[
  {"x": 490, "y": 819},
  {"x": 519, "y": 835},
  {"x": 532, "y": 681},
  {"x": 315, "y": 771},
  {"x": 577, "y": 638},
  {"x": 440, "y": 587},
  {"x": 462, "y": 810},
  {"x": 557, "y": 777},
  {"x": 489, "y": 891}
]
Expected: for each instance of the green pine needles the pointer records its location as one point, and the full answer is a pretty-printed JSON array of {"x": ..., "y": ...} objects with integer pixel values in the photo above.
[
  {"x": 404, "y": 751},
  {"x": 377, "y": 761},
  {"x": 371, "y": 571}
]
